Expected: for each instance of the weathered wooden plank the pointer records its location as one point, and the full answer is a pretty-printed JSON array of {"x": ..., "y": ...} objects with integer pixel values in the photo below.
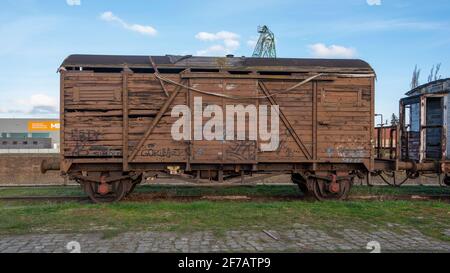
[{"x": 125, "y": 124}]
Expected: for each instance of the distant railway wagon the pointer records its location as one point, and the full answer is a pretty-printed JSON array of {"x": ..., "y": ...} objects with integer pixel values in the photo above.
[
  {"x": 419, "y": 143},
  {"x": 220, "y": 119}
]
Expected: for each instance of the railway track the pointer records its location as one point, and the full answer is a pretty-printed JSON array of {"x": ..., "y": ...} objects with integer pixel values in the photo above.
[
  {"x": 44, "y": 198},
  {"x": 237, "y": 198}
]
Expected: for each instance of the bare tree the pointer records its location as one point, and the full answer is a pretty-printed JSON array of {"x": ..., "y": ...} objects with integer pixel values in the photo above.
[
  {"x": 431, "y": 76},
  {"x": 415, "y": 78},
  {"x": 434, "y": 73},
  {"x": 438, "y": 68}
]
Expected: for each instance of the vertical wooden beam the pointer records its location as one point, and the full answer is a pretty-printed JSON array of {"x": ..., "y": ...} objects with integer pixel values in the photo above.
[
  {"x": 189, "y": 142},
  {"x": 314, "y": 119},
  {"x": 257, "y": 124},
  {"x": 222, "y": 101},
  {"x": 125, "y": 121},
  {"x": 62, "y": 73},
  {"x": 444, "y": 127},
  {"x": 400, "y": 132},
  {"x": 423, "y": 130},
  {"x": 372, "y": 127}
]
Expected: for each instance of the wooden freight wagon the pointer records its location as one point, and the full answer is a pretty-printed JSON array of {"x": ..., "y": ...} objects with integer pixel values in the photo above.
[{"x": 118, "y": 115}]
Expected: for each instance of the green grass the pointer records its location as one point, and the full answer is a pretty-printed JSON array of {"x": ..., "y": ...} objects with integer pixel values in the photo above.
[
  {"x": 260, "y": 190},
  {"x": 403, "y": 190},
  {"x": 19, "y": 217},
  {"x": 431, "y": 218},
  {"x": 41, "y": 191}
]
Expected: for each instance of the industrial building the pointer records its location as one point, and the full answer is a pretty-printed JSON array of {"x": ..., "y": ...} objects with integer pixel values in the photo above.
[{"x": 29, "y": 136}]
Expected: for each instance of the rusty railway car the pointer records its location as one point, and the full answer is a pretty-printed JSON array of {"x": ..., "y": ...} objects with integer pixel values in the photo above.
[
  {"x": 419, "y": 143},
  {"x": 117, "y": 118}
]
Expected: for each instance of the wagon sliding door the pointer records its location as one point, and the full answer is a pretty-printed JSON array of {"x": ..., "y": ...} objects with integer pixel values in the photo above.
[
  {"x": 425, "y": 128},
  {"x": 223, "y": 151},
  {"x": 150, "y": 121},
  {"x": 296, "y": 119},
  {"x": 343, "y": 120},
  {"x": 434, "y": 127}
]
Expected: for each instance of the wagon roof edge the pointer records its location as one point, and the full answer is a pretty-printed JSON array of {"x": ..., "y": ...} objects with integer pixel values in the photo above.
[
  {"x": 189, "y": 61},
  {"x": 427, "y": 87}
]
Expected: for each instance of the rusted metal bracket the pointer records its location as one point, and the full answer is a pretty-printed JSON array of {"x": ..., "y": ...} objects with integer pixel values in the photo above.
[
  {"x": 248, "y": 181},
  {"x": 102, "y": 180},
  {"x": 157, "y": 72},
  {"x": 285, "y": 121},
  {"x": 332, "y": 177},
  {"x": 259, "y": 178},
  {"x": 155, "y": 122}
]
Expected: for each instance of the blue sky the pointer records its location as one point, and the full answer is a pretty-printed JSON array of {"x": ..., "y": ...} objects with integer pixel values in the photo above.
[{"x": 392, "y": 35}]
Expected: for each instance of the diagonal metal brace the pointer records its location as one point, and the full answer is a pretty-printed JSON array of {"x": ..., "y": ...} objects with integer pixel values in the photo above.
[
  {"x": 157, "y": 73},
  {"x": 155, "y": 121},
  {"x": 285, "y": 121}
]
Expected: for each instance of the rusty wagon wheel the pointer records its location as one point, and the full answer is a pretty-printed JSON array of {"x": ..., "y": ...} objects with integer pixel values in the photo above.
[
  {"x": 324, "y": 190},
  {"x": 116, "y": 191}
]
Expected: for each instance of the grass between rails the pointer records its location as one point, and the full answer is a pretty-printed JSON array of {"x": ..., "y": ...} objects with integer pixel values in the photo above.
[
  {"x": 260, "y": 190},
  {"x": 431, "y": 218}
]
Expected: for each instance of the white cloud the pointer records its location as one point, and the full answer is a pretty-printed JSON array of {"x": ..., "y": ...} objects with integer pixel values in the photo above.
[
  {"x": 38, "y": 104},
  {"x": 108, "y": 16},
  {"x": 221, "y": 35},
  {"x": 35, "y": 105},
  {"x": 333, "y": 51},
  {"x": 374, "y": 2},
  {"x": 213, "y": 50},
  {"x": 73, "y": 2},
  {"x": 230, "y": 42},
  {"x": 252, "y": 43}
]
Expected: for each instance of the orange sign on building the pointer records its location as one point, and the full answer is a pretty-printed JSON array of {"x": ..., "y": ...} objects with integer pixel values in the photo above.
[{"x": 43, "y": 126}]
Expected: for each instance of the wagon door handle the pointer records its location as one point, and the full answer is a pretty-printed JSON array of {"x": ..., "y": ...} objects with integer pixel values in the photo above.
[{"x": 323, "y": 123}]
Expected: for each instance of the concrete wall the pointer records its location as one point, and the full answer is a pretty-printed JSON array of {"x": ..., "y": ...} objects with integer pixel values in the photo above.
[{"x": 24, "y": 169}]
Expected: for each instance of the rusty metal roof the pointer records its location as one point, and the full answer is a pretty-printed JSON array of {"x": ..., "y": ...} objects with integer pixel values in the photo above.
[
  {"x": 215, "y": 62},
  {"x": 438, "y": 86}
]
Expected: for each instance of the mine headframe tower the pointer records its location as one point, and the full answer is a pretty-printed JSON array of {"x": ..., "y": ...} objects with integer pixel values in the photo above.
[{"x": 265, "y": 48}]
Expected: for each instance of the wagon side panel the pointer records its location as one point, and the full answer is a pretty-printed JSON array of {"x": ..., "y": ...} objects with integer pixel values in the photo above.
[
  {"x": 92, "y": 114},
  {"x": 344, "y": 120}
]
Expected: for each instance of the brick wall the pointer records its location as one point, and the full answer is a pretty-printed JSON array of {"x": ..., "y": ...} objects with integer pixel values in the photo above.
[{"x": 24, "y": 169}]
